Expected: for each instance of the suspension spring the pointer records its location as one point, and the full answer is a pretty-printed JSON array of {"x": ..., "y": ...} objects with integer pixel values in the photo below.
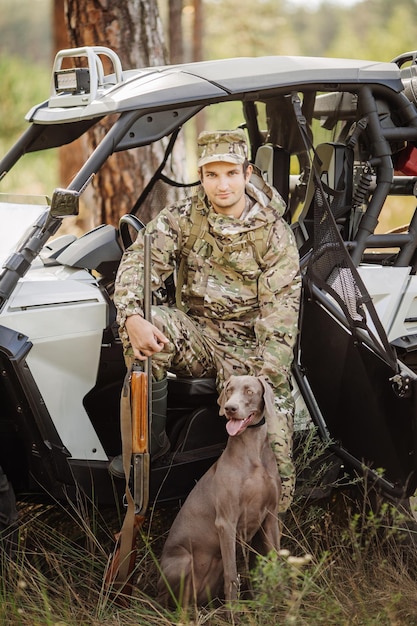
[{"x": 362, "y": 187}]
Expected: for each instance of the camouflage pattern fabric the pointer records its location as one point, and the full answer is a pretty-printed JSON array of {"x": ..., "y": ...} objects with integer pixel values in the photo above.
[
  {"x": 242, "y": 318},
  {"x": 228, "y": 146}
]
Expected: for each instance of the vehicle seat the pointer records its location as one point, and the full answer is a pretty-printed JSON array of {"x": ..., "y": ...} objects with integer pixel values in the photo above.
[
  {"x": 274, "y": 165},
  {"x": 333, "y": 165},
  {"x": 191, "y": 392}
]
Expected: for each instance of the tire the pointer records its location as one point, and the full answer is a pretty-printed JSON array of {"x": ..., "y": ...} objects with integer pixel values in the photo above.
[{"x": 8, "y": 516}]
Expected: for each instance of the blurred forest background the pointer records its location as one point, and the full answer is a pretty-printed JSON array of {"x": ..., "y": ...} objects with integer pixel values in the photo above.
[{"x": 371, "y": 29}]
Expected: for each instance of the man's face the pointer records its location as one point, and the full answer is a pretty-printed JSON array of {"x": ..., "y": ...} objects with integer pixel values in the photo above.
[{"x": 224, "y": 184}]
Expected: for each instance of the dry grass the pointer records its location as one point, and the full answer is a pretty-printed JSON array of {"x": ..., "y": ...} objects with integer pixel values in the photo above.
[{"x": 362, "y": 570}]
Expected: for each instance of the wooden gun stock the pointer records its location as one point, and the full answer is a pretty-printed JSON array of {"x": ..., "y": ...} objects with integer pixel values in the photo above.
[
  {"x": 139, "y": 394},
  {"x": 140, "y": 440}
]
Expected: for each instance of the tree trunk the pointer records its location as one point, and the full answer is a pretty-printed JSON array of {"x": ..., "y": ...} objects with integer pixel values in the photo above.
[
  {"x": 70, "y": 157},
  {"x": 134, "y": 31},
  {"x": 176, "y": 48},
  {"x": 198, "y": 30},
  {"x": 198, "y": 53}
]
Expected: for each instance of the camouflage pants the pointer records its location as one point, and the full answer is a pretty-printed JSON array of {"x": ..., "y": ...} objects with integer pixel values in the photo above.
[{"x": 199, "y": 347}]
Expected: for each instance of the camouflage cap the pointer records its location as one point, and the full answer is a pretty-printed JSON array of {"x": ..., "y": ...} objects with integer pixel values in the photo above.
[{"x": 222, "y": 145}]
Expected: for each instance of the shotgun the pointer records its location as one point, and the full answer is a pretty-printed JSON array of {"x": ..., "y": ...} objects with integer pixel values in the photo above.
[{"x": 135, "y": 418}]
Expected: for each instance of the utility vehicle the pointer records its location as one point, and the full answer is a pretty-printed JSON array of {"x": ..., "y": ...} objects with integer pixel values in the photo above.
[{"x": 337, "y": 138}]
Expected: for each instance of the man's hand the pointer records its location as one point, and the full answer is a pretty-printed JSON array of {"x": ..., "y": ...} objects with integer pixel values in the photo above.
[{"x": 145, "y": 338}]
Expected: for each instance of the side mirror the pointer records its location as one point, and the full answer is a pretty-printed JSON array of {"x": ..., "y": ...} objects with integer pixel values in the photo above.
[{"x": 65, "y": 202}]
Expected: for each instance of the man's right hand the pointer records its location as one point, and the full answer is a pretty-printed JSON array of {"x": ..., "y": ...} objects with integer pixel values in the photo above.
[{"x": 145, "y": 338}]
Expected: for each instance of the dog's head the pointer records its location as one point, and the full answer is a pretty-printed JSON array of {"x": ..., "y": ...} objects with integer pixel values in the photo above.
[{"x": 244, "y": 400}]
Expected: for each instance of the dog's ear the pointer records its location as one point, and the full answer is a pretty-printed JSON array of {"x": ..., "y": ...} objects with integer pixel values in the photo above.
[
  {"x": 221, "y": 401},
  {"x": 269, "y": 397}
]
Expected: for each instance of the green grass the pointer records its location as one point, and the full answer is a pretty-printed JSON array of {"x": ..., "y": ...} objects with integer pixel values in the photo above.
[{"x": 342, "y": 563}]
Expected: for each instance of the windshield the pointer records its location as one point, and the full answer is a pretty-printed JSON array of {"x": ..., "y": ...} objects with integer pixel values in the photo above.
[{"x": 17, "y": 214}]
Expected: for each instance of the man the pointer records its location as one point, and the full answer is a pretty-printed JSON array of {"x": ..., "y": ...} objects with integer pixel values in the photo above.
[{"x": 238, "y": 281}]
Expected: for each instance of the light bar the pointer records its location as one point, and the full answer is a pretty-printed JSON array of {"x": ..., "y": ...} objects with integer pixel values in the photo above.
[{"x": 75, "y": 80}]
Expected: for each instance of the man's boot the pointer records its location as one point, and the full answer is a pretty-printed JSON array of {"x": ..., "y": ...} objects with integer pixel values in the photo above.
[{"x": 159, "y": 442}]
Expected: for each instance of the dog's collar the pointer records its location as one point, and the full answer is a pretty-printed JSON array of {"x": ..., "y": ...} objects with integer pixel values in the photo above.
[{"x": 260, "y": 423}]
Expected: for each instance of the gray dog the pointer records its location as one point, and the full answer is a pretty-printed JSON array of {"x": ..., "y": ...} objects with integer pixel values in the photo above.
[{"x": 235, "y": 501}]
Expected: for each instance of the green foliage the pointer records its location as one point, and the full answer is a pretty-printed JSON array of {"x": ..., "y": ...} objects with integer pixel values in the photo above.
[
  {"x": 245, "y": 28},
  {"x": 23, "y": 85},
  {"x": 374, "y": 29},
  {"x": 353, "y": 569},
  {"x": 26, "y": 29},
  {"x": 293, "y": 590},
  {"x": 35, "y": 174}
]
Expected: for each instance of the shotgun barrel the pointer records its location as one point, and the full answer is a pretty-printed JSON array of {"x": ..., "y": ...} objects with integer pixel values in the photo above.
[{"x": 147, "y": 304}]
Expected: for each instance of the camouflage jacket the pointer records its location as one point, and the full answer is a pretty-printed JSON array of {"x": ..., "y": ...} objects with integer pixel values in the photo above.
[{"x": 235, "y": 293}]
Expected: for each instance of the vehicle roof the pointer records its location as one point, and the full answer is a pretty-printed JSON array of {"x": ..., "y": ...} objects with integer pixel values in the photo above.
[{"x": 210, "y": 81}]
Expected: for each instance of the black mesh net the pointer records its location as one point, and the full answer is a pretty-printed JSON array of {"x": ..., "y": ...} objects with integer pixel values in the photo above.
[
  {"x": 331, "y": 269},
  {"x": 330, "y": 266}
]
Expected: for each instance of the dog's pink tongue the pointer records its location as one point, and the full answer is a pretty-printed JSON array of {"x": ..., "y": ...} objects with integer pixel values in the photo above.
[{"x": 234, "y": 426}]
